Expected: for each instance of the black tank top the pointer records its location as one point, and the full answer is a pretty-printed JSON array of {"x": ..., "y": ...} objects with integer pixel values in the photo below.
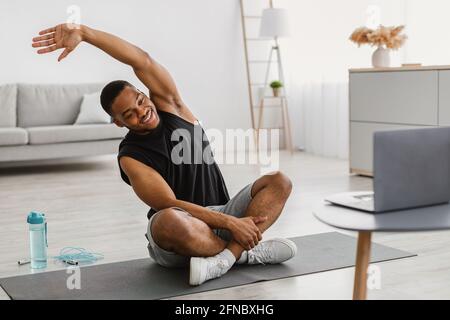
[{"x": 180, "y": 152}]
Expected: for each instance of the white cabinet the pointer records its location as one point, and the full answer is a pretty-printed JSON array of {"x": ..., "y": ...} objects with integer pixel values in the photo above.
[
  {"x": 361, "y": 143},
  {"x": 444, "y": 98},
  {"x": 394, "y": 97},
  {"x": 391, "y": 99}
]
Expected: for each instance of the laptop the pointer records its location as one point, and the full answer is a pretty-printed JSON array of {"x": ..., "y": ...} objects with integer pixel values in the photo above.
[{"x": 411, "y": 169}]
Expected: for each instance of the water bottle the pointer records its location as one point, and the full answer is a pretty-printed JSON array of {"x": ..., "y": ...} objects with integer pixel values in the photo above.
[{"x": 38, "y": 239}]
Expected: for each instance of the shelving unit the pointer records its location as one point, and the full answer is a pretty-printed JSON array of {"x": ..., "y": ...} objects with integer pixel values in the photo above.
[{"x": 258, "y": 104}]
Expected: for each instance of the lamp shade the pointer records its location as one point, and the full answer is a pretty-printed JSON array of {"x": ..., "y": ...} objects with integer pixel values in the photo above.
[{"x": 274, "y": 23}]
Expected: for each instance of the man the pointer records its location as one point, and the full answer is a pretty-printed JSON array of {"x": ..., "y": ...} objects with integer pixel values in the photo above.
[{"x": 192, "y": 220}]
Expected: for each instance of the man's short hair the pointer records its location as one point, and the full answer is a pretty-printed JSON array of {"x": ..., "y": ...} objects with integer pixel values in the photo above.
[{"x": 110, "y": 93}]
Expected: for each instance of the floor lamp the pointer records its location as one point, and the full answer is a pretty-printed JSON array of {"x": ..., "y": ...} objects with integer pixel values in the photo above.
[{"x": 275, "y": 24}]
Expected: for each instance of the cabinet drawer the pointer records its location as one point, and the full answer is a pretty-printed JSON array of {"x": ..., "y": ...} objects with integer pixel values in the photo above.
[
  {"x": 361, "y": 143},
  {"x": 405, "y": 97}
]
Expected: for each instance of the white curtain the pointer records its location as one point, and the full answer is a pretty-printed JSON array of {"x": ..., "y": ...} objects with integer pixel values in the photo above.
[{"x": 320, "y": 110}]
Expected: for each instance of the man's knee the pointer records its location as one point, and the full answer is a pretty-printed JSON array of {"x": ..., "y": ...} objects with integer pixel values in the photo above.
[
  {"x": 282, "y": 182},
  {"x": 170, "y": 225}
]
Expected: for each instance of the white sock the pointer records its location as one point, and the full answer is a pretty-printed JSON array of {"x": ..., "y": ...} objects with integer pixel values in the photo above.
[
  {"x": 227, "y": 255},
  {"x": 243, "y": 259}
]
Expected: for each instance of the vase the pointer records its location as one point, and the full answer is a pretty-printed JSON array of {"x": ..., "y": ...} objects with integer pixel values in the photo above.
[
  {"x": 381, "y": 58},
  {"x": 276, "y": 92}
]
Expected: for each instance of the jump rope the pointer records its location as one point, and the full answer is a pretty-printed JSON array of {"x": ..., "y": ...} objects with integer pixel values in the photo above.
[{"x": 73, "y": 256}]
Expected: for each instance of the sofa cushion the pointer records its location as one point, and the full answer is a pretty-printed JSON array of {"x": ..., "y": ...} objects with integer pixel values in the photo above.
[
  {"x": 8, "y": 94},
  {"x": 71, "y": 133},
  {"x": 50, "y": 104},
  {"x": 13, "y": 136},
  {"x": 91, "y": 110}
]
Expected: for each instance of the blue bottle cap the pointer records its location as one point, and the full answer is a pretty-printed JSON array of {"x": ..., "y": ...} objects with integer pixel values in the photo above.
[{"x": 36, "y": 217}]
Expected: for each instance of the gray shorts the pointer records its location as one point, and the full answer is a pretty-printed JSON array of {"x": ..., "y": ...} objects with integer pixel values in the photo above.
[{"x": 236, "y": 206}]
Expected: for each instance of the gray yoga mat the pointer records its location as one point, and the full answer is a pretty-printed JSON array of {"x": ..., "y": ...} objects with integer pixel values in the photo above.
[{"x": 143, "y": 279}]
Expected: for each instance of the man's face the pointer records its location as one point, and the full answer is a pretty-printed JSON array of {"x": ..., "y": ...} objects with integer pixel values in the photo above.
[{"x": 134, "y": 110}]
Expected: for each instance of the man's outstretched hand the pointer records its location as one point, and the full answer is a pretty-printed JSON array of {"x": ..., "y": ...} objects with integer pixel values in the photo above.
[{"x": 66, "y": 36}]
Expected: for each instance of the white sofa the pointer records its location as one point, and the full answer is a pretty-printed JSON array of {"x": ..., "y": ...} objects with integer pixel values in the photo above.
[{"x": 37, "y": 122}]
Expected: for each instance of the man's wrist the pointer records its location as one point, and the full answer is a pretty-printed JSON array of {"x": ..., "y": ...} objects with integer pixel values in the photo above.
[
  {"x": 221, "y": 220},
  {"x": 86, "y": 33},
  {"x": 228, "y": 222}
]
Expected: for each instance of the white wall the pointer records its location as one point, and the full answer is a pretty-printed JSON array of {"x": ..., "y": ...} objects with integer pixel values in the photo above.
[
  {"x": 319, "y": 47},
  {"x": 318, "y": 55},
  {"x": 428, "y": 28},
  {"x": 198, "y": 41}
]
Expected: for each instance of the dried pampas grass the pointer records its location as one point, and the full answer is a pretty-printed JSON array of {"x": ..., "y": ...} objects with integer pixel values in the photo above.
[{"x": 387, "y": 36}]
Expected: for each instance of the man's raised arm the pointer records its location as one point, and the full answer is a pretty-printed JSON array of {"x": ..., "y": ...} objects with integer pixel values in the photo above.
[{"x": 153, "y": 75}]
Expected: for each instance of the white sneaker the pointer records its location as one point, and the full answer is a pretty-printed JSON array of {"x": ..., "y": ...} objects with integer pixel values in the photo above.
[
  {"x": 203, "y": 269},
  {"x": 272, "y": 251}
]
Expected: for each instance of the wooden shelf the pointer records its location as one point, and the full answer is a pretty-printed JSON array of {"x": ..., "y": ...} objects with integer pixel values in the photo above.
[
  {"x": 262, "y": 61},
  {"x": 259, "y": 39},
  {"x": 406, "y": 68},
  {"x": 269, "y": 106},
  {"x": 264, "y": 99}
]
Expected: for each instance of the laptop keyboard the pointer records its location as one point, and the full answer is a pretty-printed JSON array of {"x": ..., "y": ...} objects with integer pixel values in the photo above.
[
  {"x": 365, "y": 197},
  {"x": 365, "y": 202},
  {"x": 368, "y": 205}
]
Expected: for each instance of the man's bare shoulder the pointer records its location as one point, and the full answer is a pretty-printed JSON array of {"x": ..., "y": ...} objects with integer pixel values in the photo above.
[{"x": 174, "y": 106}]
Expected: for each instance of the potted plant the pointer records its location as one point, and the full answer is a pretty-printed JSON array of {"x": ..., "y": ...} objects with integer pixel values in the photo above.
[
  {"x": 384, "y": 38},
  {"x": 276, "y": 86}
]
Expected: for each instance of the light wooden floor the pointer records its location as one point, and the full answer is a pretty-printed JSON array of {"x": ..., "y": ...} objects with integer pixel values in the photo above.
[{"x": 88, "y": 205}]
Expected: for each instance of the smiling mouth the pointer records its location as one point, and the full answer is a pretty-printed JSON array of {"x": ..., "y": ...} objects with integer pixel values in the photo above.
[{"x": 148, "y": 117}]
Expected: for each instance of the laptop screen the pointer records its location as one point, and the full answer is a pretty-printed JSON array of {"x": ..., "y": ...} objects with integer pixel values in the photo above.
[{"x": 411, "y": 168}]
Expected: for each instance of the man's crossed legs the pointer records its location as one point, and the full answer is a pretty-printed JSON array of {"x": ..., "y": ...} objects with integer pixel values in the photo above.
[{"x": 178, "y": 239}]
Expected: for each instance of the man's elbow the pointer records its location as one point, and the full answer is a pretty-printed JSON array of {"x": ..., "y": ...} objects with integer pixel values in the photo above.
[
  {"x": 164, "y": 204},
  {"x": 143, "y": 62}
]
